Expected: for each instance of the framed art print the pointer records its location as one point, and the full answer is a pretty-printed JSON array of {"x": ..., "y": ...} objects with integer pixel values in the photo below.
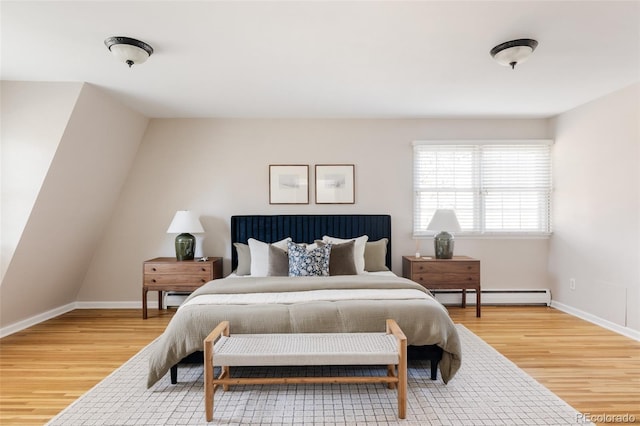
[
  {"x": 335, "y": 184},
  {"x": 289, "y": 184}
]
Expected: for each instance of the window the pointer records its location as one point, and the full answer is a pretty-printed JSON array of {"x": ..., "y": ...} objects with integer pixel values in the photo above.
[{"x": 496, "y": 188}]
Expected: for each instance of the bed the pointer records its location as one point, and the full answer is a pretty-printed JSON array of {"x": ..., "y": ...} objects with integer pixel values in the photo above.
[{"x": 274, "y": 302}]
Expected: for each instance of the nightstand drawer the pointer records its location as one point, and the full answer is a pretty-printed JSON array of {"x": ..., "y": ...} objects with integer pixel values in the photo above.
[
  {"x": 445, "y": 273},
  {"x": 187, "y": 280},
  {"x": 452, "y": 280},
  {"x": 443, "y": 267},
  {"x": 178, "y": 268}
]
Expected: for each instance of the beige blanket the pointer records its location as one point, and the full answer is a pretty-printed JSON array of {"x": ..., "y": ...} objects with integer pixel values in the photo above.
[{"x": 424, "y": 321}]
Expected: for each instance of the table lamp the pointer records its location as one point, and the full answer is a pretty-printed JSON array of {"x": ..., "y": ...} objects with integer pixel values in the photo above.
[
  {"x": 445, "y": 221},
  {"x": 184, "y": 223}
]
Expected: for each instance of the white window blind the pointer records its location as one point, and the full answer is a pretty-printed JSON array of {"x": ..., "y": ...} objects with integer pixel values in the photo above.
[{"x": 494, "y": 188}]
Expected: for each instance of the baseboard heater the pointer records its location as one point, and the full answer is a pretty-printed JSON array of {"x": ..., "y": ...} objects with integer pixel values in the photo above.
[
  {"x": 173, "y": 299},
  {"x": 496, "y": 297}
]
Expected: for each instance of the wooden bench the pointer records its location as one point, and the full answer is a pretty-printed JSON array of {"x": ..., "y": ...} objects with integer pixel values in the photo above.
[{"x": 301, "y": 349}]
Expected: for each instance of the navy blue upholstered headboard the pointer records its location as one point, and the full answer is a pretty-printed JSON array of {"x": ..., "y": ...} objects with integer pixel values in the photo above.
[{"x": 307, "y": 228}]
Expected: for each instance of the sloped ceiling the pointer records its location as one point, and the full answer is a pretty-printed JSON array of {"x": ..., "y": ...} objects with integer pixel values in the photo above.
[{"x": 330, "y": 59}]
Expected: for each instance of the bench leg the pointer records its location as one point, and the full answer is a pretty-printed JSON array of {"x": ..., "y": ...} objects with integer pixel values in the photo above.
[
  {"x": 208, "y": 390},
  {"x": 391, "y": 372},
  {"x": 402, "y": 380},
  {"x": 402, "y": 388},
  {"x": 225, "y": 372},
  {"x": 221, "y": 329}
]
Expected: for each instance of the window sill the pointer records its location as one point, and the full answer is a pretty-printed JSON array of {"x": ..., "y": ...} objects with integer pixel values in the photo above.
[{"x": 492, "y": 236}]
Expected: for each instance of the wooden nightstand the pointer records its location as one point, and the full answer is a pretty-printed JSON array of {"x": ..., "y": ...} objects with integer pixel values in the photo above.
[
  {"x": 168, "y": 274},
  {"x": 461, "y": 272}
]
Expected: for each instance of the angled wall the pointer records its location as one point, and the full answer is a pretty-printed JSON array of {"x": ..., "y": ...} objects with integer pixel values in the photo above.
[
  {"x": 33, "y": 119},
  {"x": 73, "y": 206}
]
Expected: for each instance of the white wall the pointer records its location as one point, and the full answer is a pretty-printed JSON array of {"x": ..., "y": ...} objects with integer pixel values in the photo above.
[
  {"x": 73, "y": 204},
  {"x": 101, "y": 206},
  {"x": 33, "y": 118},
  {"x": 219, "y": 167},
  {"x": 597, "y": 208}
]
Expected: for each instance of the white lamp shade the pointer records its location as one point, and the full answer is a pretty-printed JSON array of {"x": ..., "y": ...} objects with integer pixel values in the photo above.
[
  {"x": 128, "y": 52},
  {"x": 444, "y": 220},
  {"x": 185, "y": 222}
]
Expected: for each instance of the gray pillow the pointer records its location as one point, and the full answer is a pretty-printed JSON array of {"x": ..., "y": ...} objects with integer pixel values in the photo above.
[
  {"x": 375, "y": 255},
  {"x": 244, "y": 259},
  {"x": 341, "y": 260},
  {"x": 278, "y": 262}
]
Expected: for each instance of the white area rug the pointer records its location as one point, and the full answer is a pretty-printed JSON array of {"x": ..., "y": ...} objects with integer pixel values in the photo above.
[{"x": 488, "y": 390}]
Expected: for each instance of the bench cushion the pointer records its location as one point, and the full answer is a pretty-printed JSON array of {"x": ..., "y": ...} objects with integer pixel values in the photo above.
[{"x": 306, "y": 349}]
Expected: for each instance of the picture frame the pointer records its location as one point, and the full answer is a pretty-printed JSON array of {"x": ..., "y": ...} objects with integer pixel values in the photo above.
[
  {"x": 335, "y": 183},
  {"x": 288, "y": 184}
]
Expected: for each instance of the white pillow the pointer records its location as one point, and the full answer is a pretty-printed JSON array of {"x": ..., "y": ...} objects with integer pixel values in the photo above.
[
  {"x": 307, "y": 246},
  {"x": 358, "y": 249},
  {"x": 260, "y": 255},
  {"x": 311, "y": 246}
]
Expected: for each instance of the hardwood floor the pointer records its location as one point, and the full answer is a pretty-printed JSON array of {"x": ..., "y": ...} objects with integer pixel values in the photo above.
[
  {"x": 46, "y": 367},
  {"x": 595, "y": 370}
]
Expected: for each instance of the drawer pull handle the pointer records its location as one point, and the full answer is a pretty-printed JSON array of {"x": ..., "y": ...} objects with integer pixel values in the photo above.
[
  {"x": 153, "y": 269},
  {"x": 203, "y": 270},
  {"x": 153, "y": 280},
  {"x": 203, "y": 280}
]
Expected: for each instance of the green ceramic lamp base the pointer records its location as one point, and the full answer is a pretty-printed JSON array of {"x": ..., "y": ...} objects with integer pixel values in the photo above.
[
  {"x": 185, "y": 247},
  {"x": 443, "y": 245}
]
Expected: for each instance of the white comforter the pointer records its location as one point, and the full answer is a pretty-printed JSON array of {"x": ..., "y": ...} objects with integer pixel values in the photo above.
[{"x": 305, "y": 296}]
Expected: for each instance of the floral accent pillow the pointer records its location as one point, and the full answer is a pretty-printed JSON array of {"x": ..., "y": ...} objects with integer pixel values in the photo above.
[{"x": 303, "y": 263}]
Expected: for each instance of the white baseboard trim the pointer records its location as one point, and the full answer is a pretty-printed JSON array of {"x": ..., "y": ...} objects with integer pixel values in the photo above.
[
  {"x": 113, "y": 305},
  {"x": 29, "y": 322},
  {"x": 36, "y": 319},
  {"x": 625, "y": 331}
]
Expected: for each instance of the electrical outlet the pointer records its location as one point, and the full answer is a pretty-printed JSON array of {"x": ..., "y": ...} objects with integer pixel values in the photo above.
[{"x": 572, "y": 283}]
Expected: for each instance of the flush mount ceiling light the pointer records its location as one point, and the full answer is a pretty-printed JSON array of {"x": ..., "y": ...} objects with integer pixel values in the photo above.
[
  {"x": 514, "y": 52},
  {"x": 129, "y": 50}
]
